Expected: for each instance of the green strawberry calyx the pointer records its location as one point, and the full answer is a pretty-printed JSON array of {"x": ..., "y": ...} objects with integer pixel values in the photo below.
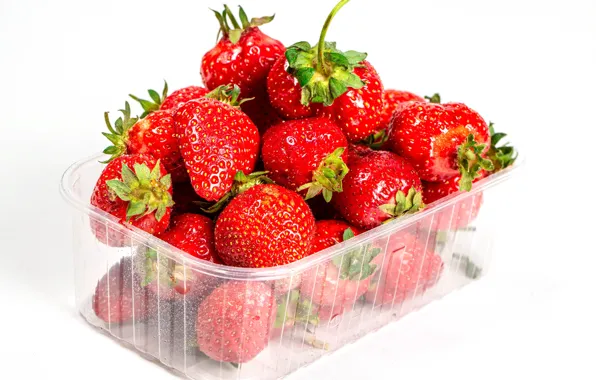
[
  {"x": 435, "y": 98},
  {"x": 471, "y": 162},
  {"x": 145, "y": 190},
  {"x": 323, "y": 71},
  {"x": 155, "y": 102},
  {"x": 376, "y": 140},
  {"x": 328, "y": 177},
  {"x": 235, "y": 32},
  {"x": 229, "y": 94},
  {"x": 502, "y": 156},
  {"x": 118, "y": 134},
  {"x": 242, "y": 182},
  {"x": 404, "y": 204},
  {"x": 356, "y": 264}
]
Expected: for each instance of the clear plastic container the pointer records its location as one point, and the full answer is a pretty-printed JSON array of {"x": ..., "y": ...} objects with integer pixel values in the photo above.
[{"x": 419, "y": 259}]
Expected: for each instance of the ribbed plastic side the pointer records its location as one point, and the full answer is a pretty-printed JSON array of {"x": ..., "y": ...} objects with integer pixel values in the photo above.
[{"x": 271, "y": 325}]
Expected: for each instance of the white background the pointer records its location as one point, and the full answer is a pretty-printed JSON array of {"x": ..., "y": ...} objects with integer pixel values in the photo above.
[{"x": 530, "y": 66}]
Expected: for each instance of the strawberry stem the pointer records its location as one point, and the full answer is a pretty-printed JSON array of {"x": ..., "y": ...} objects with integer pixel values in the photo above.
[{"x": 321, "y": 67}]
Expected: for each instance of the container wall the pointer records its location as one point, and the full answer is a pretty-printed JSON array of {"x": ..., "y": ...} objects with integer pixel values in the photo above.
[{"x": 216, "y": 326}]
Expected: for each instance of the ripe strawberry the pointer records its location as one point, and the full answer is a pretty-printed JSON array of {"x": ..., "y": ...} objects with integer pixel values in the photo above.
[
  {"x": 393, "y": 100},
  {"x": 192, "y": 234},
  {"x": 243, "y": 56},
  {"x": 348, "y": 87},
  {"x": 406, "y": 272},
  {"x": 380, "y": 186},
  {"x": 260, "y": 111},
  {"x": 141, "y": 198},
  {"x": 234, "y": 321},
  {"x": 118, "y": 295},
  {"x": 306, "y": 154},
  {"x": 442, "y": 141},
  {"x": 170, "y": 102},
  {"x": 465, "y": 211},
  {"x": 331, "y": 232},
  {"x": 267, "y": 225},
  {"x": 154, "y": 134},
  {"x": 340, "y": 282},
  {"x": 216, "y": 141}
]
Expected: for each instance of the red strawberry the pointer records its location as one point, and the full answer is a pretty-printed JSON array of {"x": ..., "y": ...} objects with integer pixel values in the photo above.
[
  {"x": 379, "y": 186},
  {"x": 192, "y": 234},
  {"x": 154, "y": 134},
  {"x": 216, "y": 141},
  {"x": 170, "y": 102},
  {"x": 340, "y": 282},
  {"x": 118, "y": 296},
  {"x": 465, "y": 211},
  {"x": 442, "y": 141},
  {"x": 234, "y": 321},
  {"x": 306, "y": 154},
  {"x": 331, "y": 232},
  {"x": 406, "y": 272},
  {"x": 348, "y": 87},
  {"x": 393, "y": 100},
  {"x": 243, "y": 56},
  {"x": 141, "y": 196},
  {"x": 267, "y": 225}
]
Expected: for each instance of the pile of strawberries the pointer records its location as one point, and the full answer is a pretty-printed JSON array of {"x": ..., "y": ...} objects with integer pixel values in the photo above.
[{"x": 283, "y": 153}]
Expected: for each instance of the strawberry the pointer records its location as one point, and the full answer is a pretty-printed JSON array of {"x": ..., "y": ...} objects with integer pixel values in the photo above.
[
  {"x": 331, "y": 232},
  {"x": 407, "y": 271},
  {"x": 306, "y": 154},
  {"x": 118, "y": 295},
  {"x": 154, "y": 134},
  {"x": 393, "y": 100},
  {"x": 234, "y": 321},
  {"x": 380, "y": 186},
  {"x": 348, "y": 87},
  {"x": 141, "y": 197},
  {"x": 442, "y": 141},
  {"x": 466, "y": 210},
  {"x": 341, "y": 281},
  {"x": 170, "y": 102},
  {"x": 260, "y": 111},
  {"x": 243, "y": 56},
  {"x": 192, "y": 234},
  {"x": 267, "y": 225},
  {"x": 216, "y": 141}
]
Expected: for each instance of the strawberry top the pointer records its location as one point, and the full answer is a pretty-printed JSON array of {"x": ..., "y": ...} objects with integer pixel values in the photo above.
[
  {"x": 137, "y": 190},
  {"x": 442, "y": 141},
  {"x": 321, "y": 79},
  {"x": 309, "y": 152},
  {"x": 193, "y": 234},
  {"x": 265, "y": 226},
  {"x": 380, "y": 186},
  {"x": 243, "y": 56}
]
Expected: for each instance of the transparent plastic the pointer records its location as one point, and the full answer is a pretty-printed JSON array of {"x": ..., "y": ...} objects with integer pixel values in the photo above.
[{"x": 312, "y": 310}]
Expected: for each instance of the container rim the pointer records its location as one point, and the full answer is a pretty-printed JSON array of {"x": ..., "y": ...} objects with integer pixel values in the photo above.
[{"x": 278, "y": 272}]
